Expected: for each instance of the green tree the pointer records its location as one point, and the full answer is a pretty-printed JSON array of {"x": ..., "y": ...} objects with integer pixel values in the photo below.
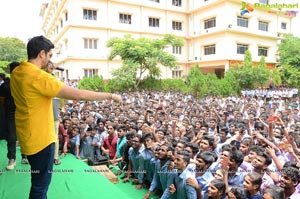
[
  {"x": 248, "y": 60},
  {"x": 261, "y": 73},
  {"x": 230, "y": 82},
  {"x": 291, "y": 75},
  {"x": 289, "y": 51},
  {"x": 144, "y": 55},
  {"x": 95, "y": 83},
  {"x": 125, "y": 75},
  {"x": 176, "y": 84},
  {"x": 11, "y": 49},
  {"x": 195, "y": 80},
  {"x": 244, "y": 74},
  {"x": 275, "y": 77}
]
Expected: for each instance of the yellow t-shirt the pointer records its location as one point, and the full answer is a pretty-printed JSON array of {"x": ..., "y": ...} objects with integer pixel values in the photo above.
[{"x": 33, "y": 90}]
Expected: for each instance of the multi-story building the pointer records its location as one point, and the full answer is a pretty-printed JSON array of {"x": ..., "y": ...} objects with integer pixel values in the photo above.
[{"x": 216, "y": 34}]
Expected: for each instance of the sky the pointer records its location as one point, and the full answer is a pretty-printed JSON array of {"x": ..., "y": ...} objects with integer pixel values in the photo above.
[{"x": 20, "y": 18}]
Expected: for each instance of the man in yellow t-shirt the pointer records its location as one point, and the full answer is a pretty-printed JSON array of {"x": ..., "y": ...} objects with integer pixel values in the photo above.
[{"x": 33, "y": 90}]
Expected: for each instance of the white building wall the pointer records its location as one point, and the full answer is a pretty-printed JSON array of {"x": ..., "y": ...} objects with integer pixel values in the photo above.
[{"x": 69, "y": 38}]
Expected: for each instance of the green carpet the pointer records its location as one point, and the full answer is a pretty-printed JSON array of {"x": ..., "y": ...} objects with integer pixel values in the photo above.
[{"x": 70, "y": 180}]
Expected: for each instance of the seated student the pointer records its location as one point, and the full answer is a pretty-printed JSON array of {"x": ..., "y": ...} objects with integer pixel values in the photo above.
[
  {"x": 252, "y": 184},
  {"x": 124, "y": 164},
  {"x": 148, "y": 154},
  {"x": 136, "y": 164},
  {"x": 102, "y": 131},
  {"x": 90, "y": 143},
  {"x": 119, "y": 156},
  {"x": 274, "y": 192},
  {"x": 63, "y": 136},
  {"x": 75, "y": 142}
]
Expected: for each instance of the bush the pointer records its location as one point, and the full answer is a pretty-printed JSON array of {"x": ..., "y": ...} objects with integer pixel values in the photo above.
[{"x": 95, "y": 83}]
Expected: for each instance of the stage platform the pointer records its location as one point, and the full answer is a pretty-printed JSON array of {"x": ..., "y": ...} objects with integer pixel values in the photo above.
[{"x": 71, "y": 179}]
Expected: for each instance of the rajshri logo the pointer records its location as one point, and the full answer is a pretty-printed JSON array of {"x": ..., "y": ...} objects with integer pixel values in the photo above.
[{"x": 246, "y": 8}]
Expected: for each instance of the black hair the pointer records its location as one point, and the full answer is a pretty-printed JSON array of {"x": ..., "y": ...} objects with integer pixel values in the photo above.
[
  {"x": 195, "y": 147},
  {"x": 13, "y": 65},
  {"x": 137, "y": 136},
  {"x": 275, "y": 192},
  {"x": 64, "y": 120},
  {"x": 291, "y": 164},
  {"x": 256, "y": 179},
  {"x": 37, "y": 44},
  {"x": 206, "y": 157},
  {"x": 186, "y": 156},
  {"x": 266, "y": 156},
  {"x": 291, "y": 173},
  {"x": 224, "y": 129},
  {"x": 147, "y": 135},
  {"x": 210, "y": 140},
  {"x": 238, "y": 192},
  {"x": 129, "y": 135},
  {"x": 220, "y": 185},
  {"x": 123, "y": 127},
  {"x": 247, "y": 141},
  {"x": 256, "y": 149},
  {"x": 135, "y": 127},
  {"x": 226, "y": 147},
  {"x": 237, "y": 156},
  {"x": 259, "y": 126}
]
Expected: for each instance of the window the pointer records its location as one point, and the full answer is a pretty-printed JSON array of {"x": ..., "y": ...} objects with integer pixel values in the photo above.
[
  {"x": 176, "y": 25},
  {"x": 90, "y": 43},
  {"x": 90, "y": 72},
  {"x": 283, "y": 26},
  {"x": 157, "y": 1},
  {"x": 176, "y": 49},
  {"x": 125, "y": 18},
  {"x": 177, "y": 3},
  {"x": 176, "y": 72},
  {"x": 210, "y": 23},
  {"x": 210, "y": 50},
  {"x": 242, "y": 21},
  {"x": 89, "y": 14},
  {"x": 153, "y": 22},
  {"x": 263, "y": 51},
  {"x": 264, "y": 1},
  {"x": 66, "y": 16},
  {"x": 241, "y": 48},
  {"x": 61, "y": 23},
  {"x": 263, "y": 26}
]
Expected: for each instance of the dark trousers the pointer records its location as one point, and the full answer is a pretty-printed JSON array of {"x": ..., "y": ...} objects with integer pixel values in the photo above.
[
  {"x": 11, "y": 136},
  {"x": 41, "y": 172}
]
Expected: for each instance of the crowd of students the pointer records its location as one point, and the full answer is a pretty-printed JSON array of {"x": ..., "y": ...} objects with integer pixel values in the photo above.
[{"x": 177, "y": 146}]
